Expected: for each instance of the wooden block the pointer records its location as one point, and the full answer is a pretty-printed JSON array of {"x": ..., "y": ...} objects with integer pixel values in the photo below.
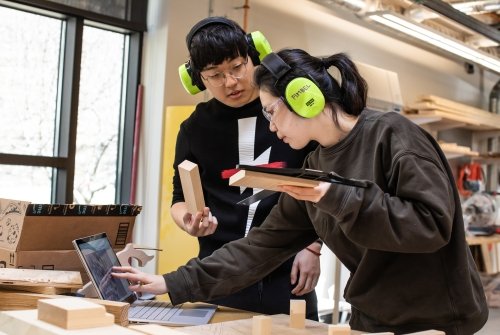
[
  {"x": 191, "y": 186},
  {"x": 297, "y": 314},
  {"x": 339, "y": 330},
  {"x": 429, "y": 332},
  {"x": 73, "y": 313},
  {"x": 261, "y": 325},
  {"x": 11, "y": 300},
  {"x": 26, "y": 323},
  {"x": 268, "y": 181}
]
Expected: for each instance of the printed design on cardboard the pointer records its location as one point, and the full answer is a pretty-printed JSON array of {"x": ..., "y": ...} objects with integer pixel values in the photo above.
[{"x": 11, "y": 217}]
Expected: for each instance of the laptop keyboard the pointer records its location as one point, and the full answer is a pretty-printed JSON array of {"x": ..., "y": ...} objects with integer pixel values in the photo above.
[{"x": 151, "y": 310}]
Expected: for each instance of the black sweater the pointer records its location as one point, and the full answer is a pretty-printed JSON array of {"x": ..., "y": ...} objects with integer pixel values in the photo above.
[
  {"x": 402, "y": 238},
  {"x": 218, "y": 137}
]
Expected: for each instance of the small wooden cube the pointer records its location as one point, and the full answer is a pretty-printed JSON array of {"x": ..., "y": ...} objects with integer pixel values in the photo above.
[
  {"x": 261, "y": 325},
  {"x": 339, "y": 330},
  {"x": 298, "y": 314},
  {"x": 73, "y": 313}
]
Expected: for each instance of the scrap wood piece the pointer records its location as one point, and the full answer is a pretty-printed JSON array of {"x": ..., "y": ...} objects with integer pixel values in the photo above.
[
  {"x": 191, "y": 186},
  {"x": 73, "y": 313},
  {"x": 32, "y": 277},
  {"x": 268, "y": 181},
  {"x": 12, "y": 300}
]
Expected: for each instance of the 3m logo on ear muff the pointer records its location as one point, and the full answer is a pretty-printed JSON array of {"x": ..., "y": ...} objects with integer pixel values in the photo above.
[
  {"x": 300, "y": 93},
  {"x": 258, "y": 48}
]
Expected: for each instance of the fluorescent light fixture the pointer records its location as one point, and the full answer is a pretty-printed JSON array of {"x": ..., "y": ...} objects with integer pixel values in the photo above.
[{"x": 434, "y": 38}]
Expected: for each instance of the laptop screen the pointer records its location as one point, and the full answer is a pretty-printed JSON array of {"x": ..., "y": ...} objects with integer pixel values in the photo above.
[{"x": 98, "y": 258}]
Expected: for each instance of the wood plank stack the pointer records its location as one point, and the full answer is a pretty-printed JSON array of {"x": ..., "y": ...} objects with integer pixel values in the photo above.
[
  {"x": 40, "y": 281},
  {"x": 444, "y": 114}
]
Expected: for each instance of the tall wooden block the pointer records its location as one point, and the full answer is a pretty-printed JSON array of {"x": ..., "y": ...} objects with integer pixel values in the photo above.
[
  {"x": 297, "y": 313},
  {"x": 191, "y": 186},
  {"x": 73, "y": 313},
  {"x": 261, "y": 325},
  {"x": 339, "y": 330}
]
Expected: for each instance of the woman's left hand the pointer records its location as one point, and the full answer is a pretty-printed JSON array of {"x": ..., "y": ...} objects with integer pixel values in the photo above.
[
  {"x": 305, "y": 268},
  {"x": 313, "y": 194}
]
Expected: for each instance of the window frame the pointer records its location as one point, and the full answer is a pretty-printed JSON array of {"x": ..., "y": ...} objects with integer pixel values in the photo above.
[{"x": 63, "y": 161}]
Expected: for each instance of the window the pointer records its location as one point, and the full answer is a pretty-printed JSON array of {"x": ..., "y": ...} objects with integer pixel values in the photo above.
[{"x": 67, "y": 106}]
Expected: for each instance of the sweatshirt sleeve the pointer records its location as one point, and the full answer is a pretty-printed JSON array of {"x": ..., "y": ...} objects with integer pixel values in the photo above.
[
  {"x": 415, "y": 216},
  {"x": 243, "y": 262}
]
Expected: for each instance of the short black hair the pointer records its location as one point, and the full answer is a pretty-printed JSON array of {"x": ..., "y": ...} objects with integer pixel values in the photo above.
[{"x": 219, "y": 40}]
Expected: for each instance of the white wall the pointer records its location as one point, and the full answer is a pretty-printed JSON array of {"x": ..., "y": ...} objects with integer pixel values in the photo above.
[{"x": 304, "y": 25}]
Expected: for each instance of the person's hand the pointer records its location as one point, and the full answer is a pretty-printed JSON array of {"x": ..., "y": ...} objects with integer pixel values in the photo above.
[
  {"x": 140, "y": 281},
  {"x": 201, "y": 224},
  {"x": 306, "y": 268},
  {"x": 313, "y": 194}
]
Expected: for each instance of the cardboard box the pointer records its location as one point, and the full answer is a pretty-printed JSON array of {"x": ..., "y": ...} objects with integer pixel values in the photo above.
[{"x": 39, "y": 236}]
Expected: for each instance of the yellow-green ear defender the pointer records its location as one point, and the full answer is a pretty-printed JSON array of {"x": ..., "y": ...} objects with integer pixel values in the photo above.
[
  {"x": 300, "y": 92},
  {"x": 188, "y": 80},
  {"x": 258, "y": 48}
]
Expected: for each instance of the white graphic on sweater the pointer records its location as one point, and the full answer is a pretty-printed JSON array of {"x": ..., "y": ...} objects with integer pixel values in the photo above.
[{"x": 246, "y": 148}]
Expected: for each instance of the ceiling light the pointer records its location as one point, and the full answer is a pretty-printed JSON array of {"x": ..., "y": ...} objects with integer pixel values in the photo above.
[{"x": 426, "y": 34}]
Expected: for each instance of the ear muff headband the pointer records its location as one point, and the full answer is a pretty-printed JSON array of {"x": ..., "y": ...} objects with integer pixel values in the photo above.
[
  {"x": 259, "y": 47},
  {"x": 300, "y": 93}
]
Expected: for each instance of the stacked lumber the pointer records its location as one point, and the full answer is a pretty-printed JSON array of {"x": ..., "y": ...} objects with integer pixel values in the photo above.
[
  {"x": 453, "y": 150},
  {"x": 439, "y": 109},
  {"x": 40, "y": 281}
]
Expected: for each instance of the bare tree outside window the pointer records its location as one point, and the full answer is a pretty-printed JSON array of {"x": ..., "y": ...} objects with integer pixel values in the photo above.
[{"x": 30, "y": 71}]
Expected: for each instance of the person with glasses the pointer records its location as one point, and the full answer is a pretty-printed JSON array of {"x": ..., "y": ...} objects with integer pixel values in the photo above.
[
  {"x": 227, "y": 130},
  {"x": 395, "y": 223}
]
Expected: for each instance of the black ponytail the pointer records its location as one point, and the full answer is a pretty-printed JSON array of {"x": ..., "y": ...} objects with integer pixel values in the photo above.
[{"x": 353, "y": 89}]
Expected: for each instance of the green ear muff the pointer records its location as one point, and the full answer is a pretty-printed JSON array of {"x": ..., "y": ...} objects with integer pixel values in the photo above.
[
  {"x": 305, "y": 97},
  {"x": 187, "y": 81},
  {"x": 258, "y": 42},
  {"x": 298, "y": 90}
]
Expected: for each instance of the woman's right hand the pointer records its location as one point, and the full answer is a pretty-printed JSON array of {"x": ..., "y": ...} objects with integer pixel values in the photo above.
[{"x": 201, "y": 224}]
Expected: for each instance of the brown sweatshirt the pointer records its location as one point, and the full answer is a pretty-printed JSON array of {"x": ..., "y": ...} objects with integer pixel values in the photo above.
[{"x": 402, "y": 238}]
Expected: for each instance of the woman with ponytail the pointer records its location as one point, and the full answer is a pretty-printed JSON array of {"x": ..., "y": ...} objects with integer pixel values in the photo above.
[{"x": 395, "y": 221}]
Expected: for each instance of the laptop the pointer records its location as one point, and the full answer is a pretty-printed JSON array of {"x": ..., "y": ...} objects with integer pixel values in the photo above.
[{"x": 98, "y": 258}]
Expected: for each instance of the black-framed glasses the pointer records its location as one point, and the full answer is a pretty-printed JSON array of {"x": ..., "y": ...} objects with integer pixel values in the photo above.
[
  {"x": 269, "y": 110},
  {"x": 238, "y": 71}
]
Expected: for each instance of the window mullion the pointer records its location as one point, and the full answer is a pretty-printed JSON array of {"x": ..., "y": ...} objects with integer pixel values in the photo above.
[{"x": 66, "y": 147}]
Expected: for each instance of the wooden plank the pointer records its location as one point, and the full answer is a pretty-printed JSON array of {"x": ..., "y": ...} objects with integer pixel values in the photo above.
[
  {"x": 12, "y": 300},
  {"x": 39, "y": 289},
  {"x": 30, "y": 277},
  {"x": 268, "y": 181},
  {"x": 26, "y": 323},
  {"x": 191, "y": 186},
  {"x": 73, "y": 313}
]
